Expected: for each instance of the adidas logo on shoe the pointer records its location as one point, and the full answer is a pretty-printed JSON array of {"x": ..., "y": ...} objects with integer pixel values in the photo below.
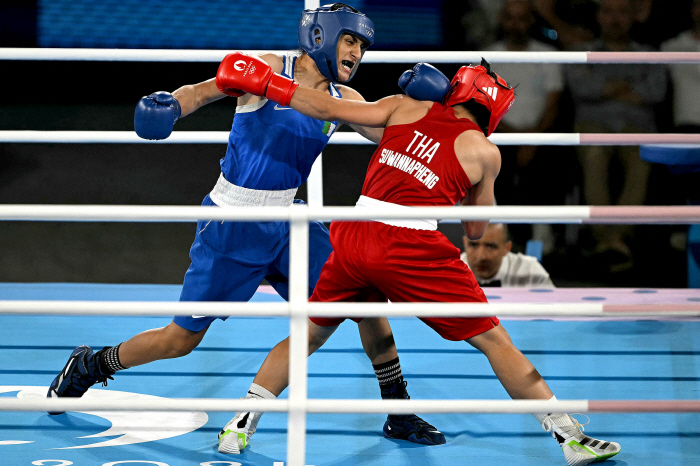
[{"x": 578, "y": 449}]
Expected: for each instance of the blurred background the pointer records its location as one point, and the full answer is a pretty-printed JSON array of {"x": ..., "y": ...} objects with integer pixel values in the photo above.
[{"x": 56, "y": 95}]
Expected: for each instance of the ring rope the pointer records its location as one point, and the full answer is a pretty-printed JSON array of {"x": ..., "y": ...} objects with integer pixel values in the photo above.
[
  {"x": 339, "y": 309},
  {"x": 510, "y": 214},
  {"x": 345, "y": 138},
  {"x": 372, "y": 56},
  {"x": 350, "y": 406},
  {"x": 298, "y": 405}
]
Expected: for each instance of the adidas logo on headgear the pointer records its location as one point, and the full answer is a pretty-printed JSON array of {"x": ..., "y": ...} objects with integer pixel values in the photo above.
[{"x": 491, "y": 91}]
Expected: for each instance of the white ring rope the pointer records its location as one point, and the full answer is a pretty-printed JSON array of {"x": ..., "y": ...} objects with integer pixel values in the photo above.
[
  {"x": 372, "y": 56},
  {"x": 509, "y": 214},
  {"x": 298, "y": 307},
  {"x": 229, "y": 309},
  {"x": 350, "y": 406},
  {"x": 345, "y": 138}
]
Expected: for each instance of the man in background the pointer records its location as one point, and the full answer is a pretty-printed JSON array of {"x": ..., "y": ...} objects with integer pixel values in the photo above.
[{"x": 494, "y": 265}]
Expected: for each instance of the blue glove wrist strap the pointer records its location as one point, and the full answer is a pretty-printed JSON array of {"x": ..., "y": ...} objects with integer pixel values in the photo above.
[{"x": 178, "y": 110}]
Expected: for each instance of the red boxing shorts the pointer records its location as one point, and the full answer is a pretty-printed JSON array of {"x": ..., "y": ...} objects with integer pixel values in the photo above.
[{"x": 373, "y": 262}]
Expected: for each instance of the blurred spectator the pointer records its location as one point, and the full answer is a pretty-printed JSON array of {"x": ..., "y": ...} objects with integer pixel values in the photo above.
[
  {"x": 538, "y": 85},
  {"x": 572, "y": 22},
  {"x": 539, "y": 88},
  {"x": 657, "y": 20},
  {"x": 480, "y": 23},
  {"x": 617, "y": 99},
  {"x": 686, "y": 78},
  {"x": 494, "y": 265}
]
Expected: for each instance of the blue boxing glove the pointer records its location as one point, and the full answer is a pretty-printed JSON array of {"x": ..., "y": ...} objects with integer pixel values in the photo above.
[
  {"x": 425, "y": 82},
  {"x": 155, "y": 115}
]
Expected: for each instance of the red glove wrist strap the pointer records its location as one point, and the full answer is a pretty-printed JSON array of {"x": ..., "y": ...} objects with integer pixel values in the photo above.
[{"x": 280, "y": 89}]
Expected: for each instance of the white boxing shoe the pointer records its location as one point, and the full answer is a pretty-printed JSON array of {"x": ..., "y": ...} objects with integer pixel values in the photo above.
[
  {"x": 235, "y": 435},
  {"x": 578, "y": 448}
]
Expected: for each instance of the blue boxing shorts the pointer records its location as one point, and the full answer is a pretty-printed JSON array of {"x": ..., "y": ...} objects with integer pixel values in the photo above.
[{"x": 230, "y": 259}]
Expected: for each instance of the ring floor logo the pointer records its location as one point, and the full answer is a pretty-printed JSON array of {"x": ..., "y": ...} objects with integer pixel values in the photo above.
[
  {"x": 79, "y": 438},
  {"x": 126, "y": 427}
]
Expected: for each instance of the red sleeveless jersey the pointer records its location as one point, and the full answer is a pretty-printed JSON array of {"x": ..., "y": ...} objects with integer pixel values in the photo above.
[{"x": 416, "y": 164}]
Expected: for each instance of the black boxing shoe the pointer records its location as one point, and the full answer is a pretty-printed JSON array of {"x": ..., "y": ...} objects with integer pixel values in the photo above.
[
  {"x": 408, "y": 426},
  {"x": 81, "y": 372}
]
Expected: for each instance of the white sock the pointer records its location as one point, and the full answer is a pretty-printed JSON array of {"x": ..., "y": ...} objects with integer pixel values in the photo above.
[
  {"x": 542, "y": 417},
  {"x": 250, "y": 419},
  {"x": 256, "y": 391}
]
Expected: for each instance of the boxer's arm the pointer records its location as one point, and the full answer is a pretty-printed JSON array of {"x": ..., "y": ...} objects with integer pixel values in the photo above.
[
  {"x": 194, "y": 96},
  {"x": 482, "y": 162},
  {"x": 239, "y": 73},
  {"x": 321, "y": 106},
  {"x": 156, "y": 114},
  {"x": 373, "y": 134}
]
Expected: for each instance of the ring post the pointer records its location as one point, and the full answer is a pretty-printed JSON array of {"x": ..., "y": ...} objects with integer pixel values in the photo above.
[{"x": 298, "y": 333}]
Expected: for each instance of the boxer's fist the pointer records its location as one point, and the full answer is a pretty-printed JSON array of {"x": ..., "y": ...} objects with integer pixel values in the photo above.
[
  {"x": 155, "y": 115},
  {"x": 239, "y": 74},
  {"x": 424, "y": 82}
]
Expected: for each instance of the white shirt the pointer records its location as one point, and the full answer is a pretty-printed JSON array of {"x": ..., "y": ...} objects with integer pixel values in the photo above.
[
  {"x": 535, "y": 81},
  {"x": 519, "y": 270},
  {"x": 686, "y": 80}
]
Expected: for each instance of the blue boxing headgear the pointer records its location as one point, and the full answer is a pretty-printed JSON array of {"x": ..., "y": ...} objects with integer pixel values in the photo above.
[{"x": 320, "y": 30}]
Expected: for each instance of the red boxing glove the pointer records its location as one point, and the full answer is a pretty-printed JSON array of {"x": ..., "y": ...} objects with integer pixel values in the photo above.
[
  {"x": 239, "y": 74},
  {"x": 281, "y": 89}
]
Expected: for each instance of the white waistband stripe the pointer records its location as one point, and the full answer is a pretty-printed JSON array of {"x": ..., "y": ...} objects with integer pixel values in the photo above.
[
  {"x": 416, "y": 224},
  {"x": 227, "y": 194}
]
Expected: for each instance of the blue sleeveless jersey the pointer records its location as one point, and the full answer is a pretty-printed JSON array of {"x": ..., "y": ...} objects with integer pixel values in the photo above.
[{"x": 273, "y": 147}]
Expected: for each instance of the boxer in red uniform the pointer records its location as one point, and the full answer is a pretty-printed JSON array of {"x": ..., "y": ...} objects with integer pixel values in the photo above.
[{"x": 431, "y": 154}]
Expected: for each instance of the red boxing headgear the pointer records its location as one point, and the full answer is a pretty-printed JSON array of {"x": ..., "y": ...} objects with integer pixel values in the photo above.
[{"x": 478, "y": 82}]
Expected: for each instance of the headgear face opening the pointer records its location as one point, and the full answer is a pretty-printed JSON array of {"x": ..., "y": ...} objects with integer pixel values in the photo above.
[
  {"x": 478, "y": 82},
  {"x": 320, "y": 30}
]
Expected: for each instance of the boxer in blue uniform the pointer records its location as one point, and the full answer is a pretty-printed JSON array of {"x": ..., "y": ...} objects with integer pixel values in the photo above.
[
  {"x": 230, "y": 259},
  {"x": 270, "y": 153}
]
